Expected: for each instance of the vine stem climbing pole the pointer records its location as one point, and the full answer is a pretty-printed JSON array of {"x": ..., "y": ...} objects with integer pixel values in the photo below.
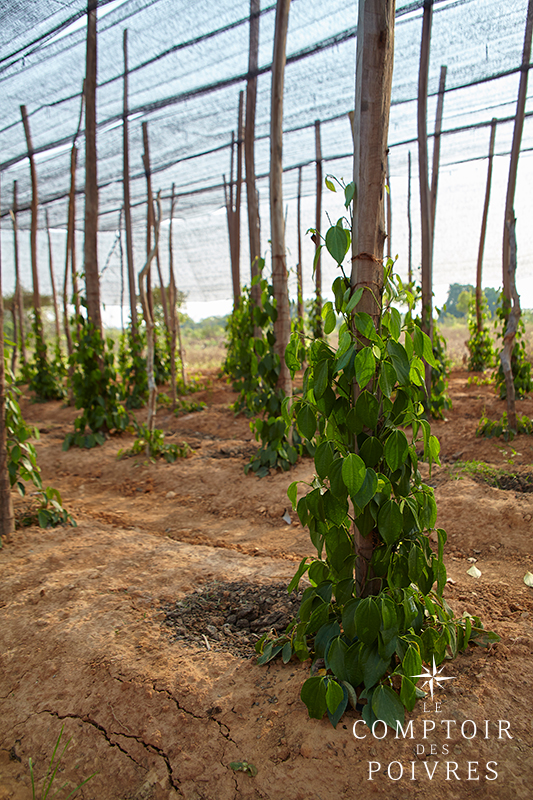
[
  {"x": 175, "y": 329},
  {"x": 7, "y": 519},
  {"x": 282, "y": 325},
  {"x": 18, "y": 299},
  {"x": 375, "y": 54},
  {"x": 479, "y": 271},
  {"x": 144, "y": 281},
  {"x": 249, "y": 150},
  {"x": 510, "y": 331},
  {"x": 127, "y": 201},
  {"x": 52, "y": 279},
  {"x": 318, "y": 222}
]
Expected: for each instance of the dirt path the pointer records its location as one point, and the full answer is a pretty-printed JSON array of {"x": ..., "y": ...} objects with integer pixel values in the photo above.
[{"x": 84, "y": 644}]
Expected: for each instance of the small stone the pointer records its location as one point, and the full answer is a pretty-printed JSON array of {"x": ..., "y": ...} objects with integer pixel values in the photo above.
[
  {"x": 170, "y": 495},
  {"x": 232, "y": 619},
  {"x": 212, "y": 631}
]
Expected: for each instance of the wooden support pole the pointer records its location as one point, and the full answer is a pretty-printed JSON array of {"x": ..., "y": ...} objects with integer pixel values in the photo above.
[
  {"x": 282, "y": 325},
  {"x": 479, "y": 271},
  {"x": 299, "y": 267},
  {"x": 425, "y": 196},
  {"x": 92, "y": 278},
  {"x": 149, "y": 213},
  {"x": 409, "y": 223},
  {"x": 252, "y": 196},
  {"x": 174, "y": 314},
  {"x": 236, "y": 268},
  {"x": 318, "y": 224},
  {"x": 7, "y": 519},
  {"x": 144, "y": 280},
  {"x": 39, "y": 338},
  {"x": 436, "y": 151},
  {"x": 127, "y": 200},
  {"x": 375, "y": 54},
  {"x": 510, "y": 332},
  {"x": 389, "y": 212},
  {"x": 52, "y": 279},
  {"x": 515, "y": 153},
  {"x": 18, "y": 299}
]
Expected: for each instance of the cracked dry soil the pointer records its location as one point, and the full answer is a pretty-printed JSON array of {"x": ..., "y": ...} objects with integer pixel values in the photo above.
[{"x": 84, "y": 642}]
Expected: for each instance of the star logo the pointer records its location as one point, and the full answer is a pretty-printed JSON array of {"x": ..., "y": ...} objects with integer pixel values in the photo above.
[{"x": 433, "y": 677}]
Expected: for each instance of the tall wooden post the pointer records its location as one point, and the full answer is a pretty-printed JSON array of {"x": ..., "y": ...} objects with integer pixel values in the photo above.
[
  {"x": 436, "y": 151},
  {"x": 510, "y": 332},
  {"x": 282, "y": 325},
  {"x": 236, "y": 212},
  {"x": 144, "y": 278},
  {"x": 174, "y": 314},
  {"x": 515, "y": 153},
  {"x": 127, "y": 200},
  {"x": 7, "y": 519},
  {"x": 375, "y": 52},
  {"x": 318, "y": 224},
  {"x": 299, "y": 268},
  {"x": 52, "y": 279},
  {"x": 425, "y": 196},
  {"x": 389, "y": 212},
  {"x": 149, "y": 217},
  {"x": 92, "y": 278},
  {"x": 39, "y": 338},
  {"x": 18, "y": 299},
  {"x": 479, "y": 271},
  {"x": 409, "y": 223},
  {"x": 249, "y": 149}
]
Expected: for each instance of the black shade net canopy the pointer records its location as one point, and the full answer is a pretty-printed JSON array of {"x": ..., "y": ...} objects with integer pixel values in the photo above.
[{"x": 188, "y": 61}]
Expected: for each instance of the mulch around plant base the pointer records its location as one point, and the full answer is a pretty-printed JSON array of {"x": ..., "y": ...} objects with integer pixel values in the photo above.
[{"x": 231, "y": 617}]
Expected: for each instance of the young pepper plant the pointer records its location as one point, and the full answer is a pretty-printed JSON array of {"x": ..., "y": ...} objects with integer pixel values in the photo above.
[{"x": 362, "y": 406}]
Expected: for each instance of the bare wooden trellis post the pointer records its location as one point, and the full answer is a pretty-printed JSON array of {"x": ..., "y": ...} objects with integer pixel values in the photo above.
[
  {"x": 71, "y": 235},
  {"x": 409, "y": 223},
  {"x": 232, "y": 196},
  {"x": 18, "y": 299},
  {"x": 389, "y": 212},
  {"x": 299, "y": 267},
  {"x": 436, "y": 152},
  {"x": 149, "y": 212},
  {"x": 318, "y": 223},
  {"x": 479, "y": 271},
  {"x": 425, "y": 196},
  {"x": 252, "y": 196},
  {"x": 144, "y": 280},
  {"x": 127, "y": 200},
  {"x": 510, "y": 332},
  {"x": 7, "y": 519},
  {"x": 174, "y": 315},
  {"x": 92, "y": 278},
  {"x": 282, "y": 325},
  {"x": 39, "y": 337},
  {"x": 515, "y": 153},
  {"x": 52, "y": 279},
  {"x": 375, "y": 51}
]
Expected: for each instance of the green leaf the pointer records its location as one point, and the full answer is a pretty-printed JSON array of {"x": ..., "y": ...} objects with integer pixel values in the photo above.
[
  {"x": 318, "y": 572},
  {"x": 335, "y": 659},
  {"x": 365, "y": 366},
  {"x": 354, "y": 300},
  {"x": 327, "y": 634},
  {"x": 396, "y": 450},
  {"x": 337, "y": 243},
  {"x": 387, "y": 706},
  {"x": 412, "y": 663},
  {"x": 330, "y": 185},
  {"x": 292, "y": 493},
  {"x": 306, "y": 421},
  {"x": 349, "y": 192},
  {"x": 387, "y": 379},
  {"x": 390, "y": 522},
  {"x": 334, "y": 695},
  {"x": 372, "y": 665},
  {"x": 367, "y": 490},
  {"x": 400, "y": 361},
  {"x": 334, "y": 718},
  {"x": 324, "y": 459},
  {"x": 320, "y": 378},
  {"x": 367, "y": 410},
  {"x": 302, "y": 569},
  {"x": 313, "y": 694},
  {"x": 330, "y": 322},
  {"x": 353, "y": 473},
  {"x": 367, "y": 620},
  {"x": 408, "y": 693},
  {"x": 43, "y": 519},
  {"x": 286, "y": 653},
  {"x": 371, "y": 451}
]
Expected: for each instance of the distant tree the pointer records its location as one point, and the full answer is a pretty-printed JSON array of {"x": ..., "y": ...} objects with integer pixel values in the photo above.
[
  {"x": 454, "y": 293},
  {"x": 492, "y": 296}
]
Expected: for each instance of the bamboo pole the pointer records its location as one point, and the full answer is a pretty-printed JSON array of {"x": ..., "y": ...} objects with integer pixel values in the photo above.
[
  {"x": 483, "y": 233},
  {"x": 375, "y": 53},
  {"x": 409, "y": 223},
  {"x": 282, "y": 325},
  {"x": 71, "y": 226},
  {"x": 144, "y": 278},
  {"x": 389, "y": 212},
  {"x": 127, "y": 198},
  {"x": 39, "y": 335},
  {"x": 515, "y": 152},
  {"x": 92, "y": 278},
  {"x": 318, "y": 224},
  {"x": 174, "y": 314},
  {"x": 436, "y": 150},
  {"x": 236, "y": 268},
  {"x": 52, "y": 279},
  {"x": 18, "y": 299},
  {"x": 510, "y": 332},
  {"x": 7, "y": 519},
  {"x": 149, "y": 212},
  {"x": 425, "y": 197},
  {"x": 299, "y": 268},
  {"x": 252, "y": 196}
]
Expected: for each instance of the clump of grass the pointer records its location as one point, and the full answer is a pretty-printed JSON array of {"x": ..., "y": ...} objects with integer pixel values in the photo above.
[
  {"x": 51, "y": 773},
  {"x": 153, "y": 445}
]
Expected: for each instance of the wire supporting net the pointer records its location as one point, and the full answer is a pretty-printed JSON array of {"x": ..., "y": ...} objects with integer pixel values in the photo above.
[{"x": 188, "y": 61}]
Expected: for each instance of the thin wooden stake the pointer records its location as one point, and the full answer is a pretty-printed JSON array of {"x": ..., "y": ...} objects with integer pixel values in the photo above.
[
  {"x": 436, "y": 151},
  {"x": 515, "y": 152},
  {"x": 52, "y": 279},
  {"x": 425, "y": 198},
  {"x": 282, "y": 325},
  {"x": 174, "y": 314},
  {"x": 19, "y": 301},
  {"x": 7, "y": 519},
  {"x": 510, "y": 332},
  {"x": 92, "y": 278},
  {"x": 238, "y": 191},
  {"x": 318, "y": 225},
  {"x": 299, "y": 267},
  {"x": 33, "y": 238},
  {"x": 144, "y": 278},
  {"x": 481, "y": 250},
  {"x": 149, "y": 213},
  {"x": 409, "y": 223},
  {"x": 127, "y": 200},
  {"x": 249, "y": 148},
  {"x": 389, "y": 212}
]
